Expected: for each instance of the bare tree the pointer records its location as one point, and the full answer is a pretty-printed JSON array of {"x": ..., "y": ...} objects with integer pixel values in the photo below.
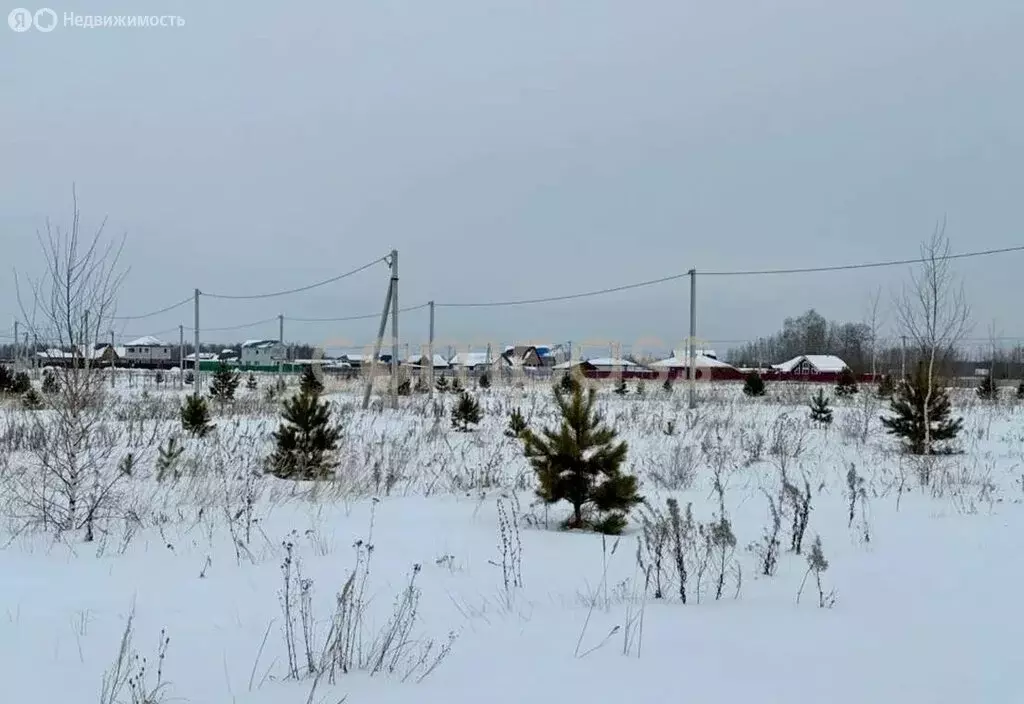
[
  {"x": 72, "y": 301},
  {"x": 873, "y": 322},
  {"x": 933, "y": 311}
]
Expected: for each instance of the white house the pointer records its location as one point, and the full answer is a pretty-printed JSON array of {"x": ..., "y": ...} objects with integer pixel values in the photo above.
[
  {"x": 477, "y": 360},
  {"x": 610, "y": 364},
  {"x": 147, "y": 350},
  {"x": 263, "y": 353},
  {"x": 812, "y": 364},
  {"x": 419, "y": 360}
]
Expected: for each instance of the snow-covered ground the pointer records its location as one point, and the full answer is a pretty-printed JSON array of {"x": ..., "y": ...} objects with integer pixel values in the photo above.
[{"x": 921, "y": 591}]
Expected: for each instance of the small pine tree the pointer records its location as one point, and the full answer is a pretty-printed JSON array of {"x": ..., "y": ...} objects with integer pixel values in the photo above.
[
  {"x": 50, "y": 383},
  {"x": 306, "y": 440},
  {"x": 32, "y": 401},
  {"x": 167, "y": 458},
  {"x": 908, "y": 419},
  {"x": 189, "y": 378},
  {"x": 667, "y": 386},
  {"x": 250, "y": 383},
  {"x": 886, "y": 386},
  {"x": 846, "y": 384},
  {"x": 1020, "y": 391},
  {"x": 441, "y": 384},
  {"x": 456, "y": 386},
  {"x": 754, "y": 385},
  {"x": 516, "y": 424},
  {"x": 484, "y": 382},
  {"x": 568, "y": 382},
  {"x": 641, "y": 388},
  {"x": 405, "y": 386},
  {"x": 465, "y": 413},
  {"x": 309, "y": 382},
  {"x": 6, "y": 379},
  {"x": 581, "y": 461},
  {"x": 987, "y": 389},
  {"x": 620, "y": 388},
  {"x": 821, "y": 410},
  {"x": 224, "y": 383},
  {"x": 21, "y": 383},
  {"x": 158, "y": 378},
  {"x": 195, "y": 416}
]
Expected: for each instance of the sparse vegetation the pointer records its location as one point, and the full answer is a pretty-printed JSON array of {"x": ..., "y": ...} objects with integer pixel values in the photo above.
[
  {"x": 580, "y": 461},
  {"x": 224, "y": 383},
  {"x": 465, "y": 412}
]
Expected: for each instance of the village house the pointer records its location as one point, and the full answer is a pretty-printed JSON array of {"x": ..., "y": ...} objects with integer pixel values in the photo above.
[
  {"x": 263, "y": 353},
  {"x": 147, "y": 351}
]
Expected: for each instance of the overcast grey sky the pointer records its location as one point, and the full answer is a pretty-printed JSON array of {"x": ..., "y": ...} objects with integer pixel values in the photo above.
[{"x": 521, "y": 148}]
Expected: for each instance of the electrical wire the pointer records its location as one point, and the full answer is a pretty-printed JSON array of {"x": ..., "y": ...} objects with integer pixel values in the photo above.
[
  {"x": 300, "y": 289},
  {"x": 870, "y": 265},
  {"x": 169, "y": 308},
  {"x": 571, "y": 296},
  {"x": 753, "y": 272},
  {"x": 365, "y": 316}
]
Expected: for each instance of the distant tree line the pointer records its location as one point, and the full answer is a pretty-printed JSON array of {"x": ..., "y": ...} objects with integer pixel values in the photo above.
[{"x": 811, "y": 333}]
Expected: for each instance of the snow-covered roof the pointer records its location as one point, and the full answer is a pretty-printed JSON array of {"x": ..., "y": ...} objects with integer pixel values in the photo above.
[
  {"x": 146, "y": 341},
  {"x": 259, "y": 343},
  {"x": 568, "y": 364},
  {"x": 684, "y": 362},
  {"x": 417, "y": 359},
  {"x": 470, "y": 359},
  {"x": 612, "y": 362},
  {"x": 202, "y": 356},
  {"x": 821, "y": 362},
  {"x": 685, "y": 353}
]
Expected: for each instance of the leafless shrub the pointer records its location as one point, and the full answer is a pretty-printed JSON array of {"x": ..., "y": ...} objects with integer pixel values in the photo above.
[
  {"x": 817, "y": 564},
  {"x": 767, "y": 550},
  {"x": 510, "y": 545},
  {"x": 799, "y": 501},
  {"x": 129, "y": 675}
]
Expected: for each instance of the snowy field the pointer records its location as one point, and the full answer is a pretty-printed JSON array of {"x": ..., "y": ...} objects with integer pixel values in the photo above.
[{"x": 426, "y": 573}]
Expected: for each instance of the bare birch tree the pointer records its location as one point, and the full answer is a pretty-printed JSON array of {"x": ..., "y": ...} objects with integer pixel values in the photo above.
[
  {"x": 933, "y": 311},
  {"x": 874, "y": 321},
  {"x": 73, "y": 479}
]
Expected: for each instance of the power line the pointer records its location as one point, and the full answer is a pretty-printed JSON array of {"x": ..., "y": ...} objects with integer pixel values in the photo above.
[
  {"x": 295, "y": 290},
  {"x": 871, "y": 265},
  {"x": 365, "y": 316},
  {"x": 553, "y": 299},
  {"x": 236, "y": 327},
  {"x": 169, "y": 308},
  {"x": 756, "y": 272}
]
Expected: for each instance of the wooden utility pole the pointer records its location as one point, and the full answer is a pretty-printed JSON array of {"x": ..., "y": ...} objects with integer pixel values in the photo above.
[
  {"x": 280, "y": 340},
  {"x": 378, "y": 343},
  {"x": 112, "y": 355},
  {"x": 195, "y": 356},
  {"x": 394, "y": 328},
  {"x": 430, "y": 352},
  {"x": 692, "y": 386},
  {"x": 181, "y": 357}
]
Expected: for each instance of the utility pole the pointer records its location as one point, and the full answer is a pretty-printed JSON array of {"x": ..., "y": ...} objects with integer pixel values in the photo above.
[
  {"x": 430, "y": 352},
  {"x": 394, "y": 328},
  {"x": 181, "y": 356},
  {"x": 16, "y": 355},
  {"x": 280, "y": 339},
  {"x": 112, "y": 355},
  {"x": 693, "y": 339},
  {"x": 195, "y": 356},
  {"x": 377, "y": 344},
  {"x": 903, "y": 356},
  {"x": 86, "y": 343}
]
